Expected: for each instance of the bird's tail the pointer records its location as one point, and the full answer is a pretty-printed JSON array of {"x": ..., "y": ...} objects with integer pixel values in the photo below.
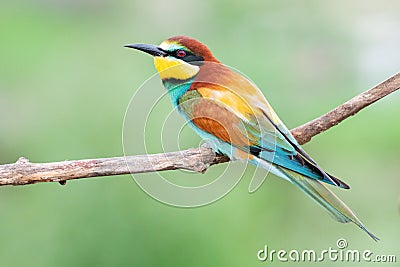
[{"x": 325, "y": 198}]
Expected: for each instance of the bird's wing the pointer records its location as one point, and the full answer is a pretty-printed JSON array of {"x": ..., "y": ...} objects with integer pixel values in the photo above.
[
  {"x": 228, "y": 118},
  {"x": 247, "y": 121}
]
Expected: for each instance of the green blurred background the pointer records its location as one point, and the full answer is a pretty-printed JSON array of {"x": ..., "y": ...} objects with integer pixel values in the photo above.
[{"x": 66, "y": 80}]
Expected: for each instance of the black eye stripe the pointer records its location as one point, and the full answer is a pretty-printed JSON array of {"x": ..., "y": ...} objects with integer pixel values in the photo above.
[
  {"x": 189, "y": 57},
  {"x": 175, "y": 52}
]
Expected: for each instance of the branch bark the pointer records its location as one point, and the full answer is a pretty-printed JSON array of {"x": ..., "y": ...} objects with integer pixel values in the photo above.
[{"x": 195, "y": 159}]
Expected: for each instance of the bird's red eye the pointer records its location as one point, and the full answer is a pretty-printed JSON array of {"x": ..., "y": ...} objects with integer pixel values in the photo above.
[{"x": 180, "y": 53}]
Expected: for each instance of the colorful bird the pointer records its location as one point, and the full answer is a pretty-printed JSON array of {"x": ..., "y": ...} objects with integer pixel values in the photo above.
[{"x": 224, "y": 106}]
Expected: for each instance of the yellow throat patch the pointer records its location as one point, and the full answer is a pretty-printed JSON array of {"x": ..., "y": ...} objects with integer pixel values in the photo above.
[{"x": 174, "y": 68}]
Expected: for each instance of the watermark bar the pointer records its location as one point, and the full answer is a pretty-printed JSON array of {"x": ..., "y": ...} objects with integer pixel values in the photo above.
[{"x": 338, "y": 254}]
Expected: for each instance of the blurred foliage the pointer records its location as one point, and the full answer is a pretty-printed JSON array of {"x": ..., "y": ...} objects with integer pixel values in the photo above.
[{"x": 66, "y": 80}]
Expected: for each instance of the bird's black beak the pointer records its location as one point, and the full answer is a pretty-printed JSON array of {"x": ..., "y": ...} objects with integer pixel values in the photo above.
[{"x": 149, "y": 49}]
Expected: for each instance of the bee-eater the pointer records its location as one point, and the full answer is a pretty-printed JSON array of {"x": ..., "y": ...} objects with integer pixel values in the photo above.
[{"x": 224, "y": 106}]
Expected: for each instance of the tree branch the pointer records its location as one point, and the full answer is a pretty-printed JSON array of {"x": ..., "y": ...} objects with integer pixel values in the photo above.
[
  {"x": 195, "y": 159},
  {"x": 305, "y": 132}
]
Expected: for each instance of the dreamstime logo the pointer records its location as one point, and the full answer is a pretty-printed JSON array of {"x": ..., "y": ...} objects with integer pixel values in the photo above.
[
  {"x": 340, "y": 253},
  {"x": 152, "y": 126}
]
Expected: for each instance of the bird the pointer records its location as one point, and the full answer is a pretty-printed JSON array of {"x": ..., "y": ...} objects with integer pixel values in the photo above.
[{"x": 224, "y": 106}]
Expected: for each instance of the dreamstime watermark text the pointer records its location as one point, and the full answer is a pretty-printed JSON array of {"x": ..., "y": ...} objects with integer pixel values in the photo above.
[{"x": 340, "y": 253}]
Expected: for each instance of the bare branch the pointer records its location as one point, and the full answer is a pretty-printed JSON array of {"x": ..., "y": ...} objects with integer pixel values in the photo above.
[
  {"x": 24, "y": 172},
  {"x": 195, "y": 159}
]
